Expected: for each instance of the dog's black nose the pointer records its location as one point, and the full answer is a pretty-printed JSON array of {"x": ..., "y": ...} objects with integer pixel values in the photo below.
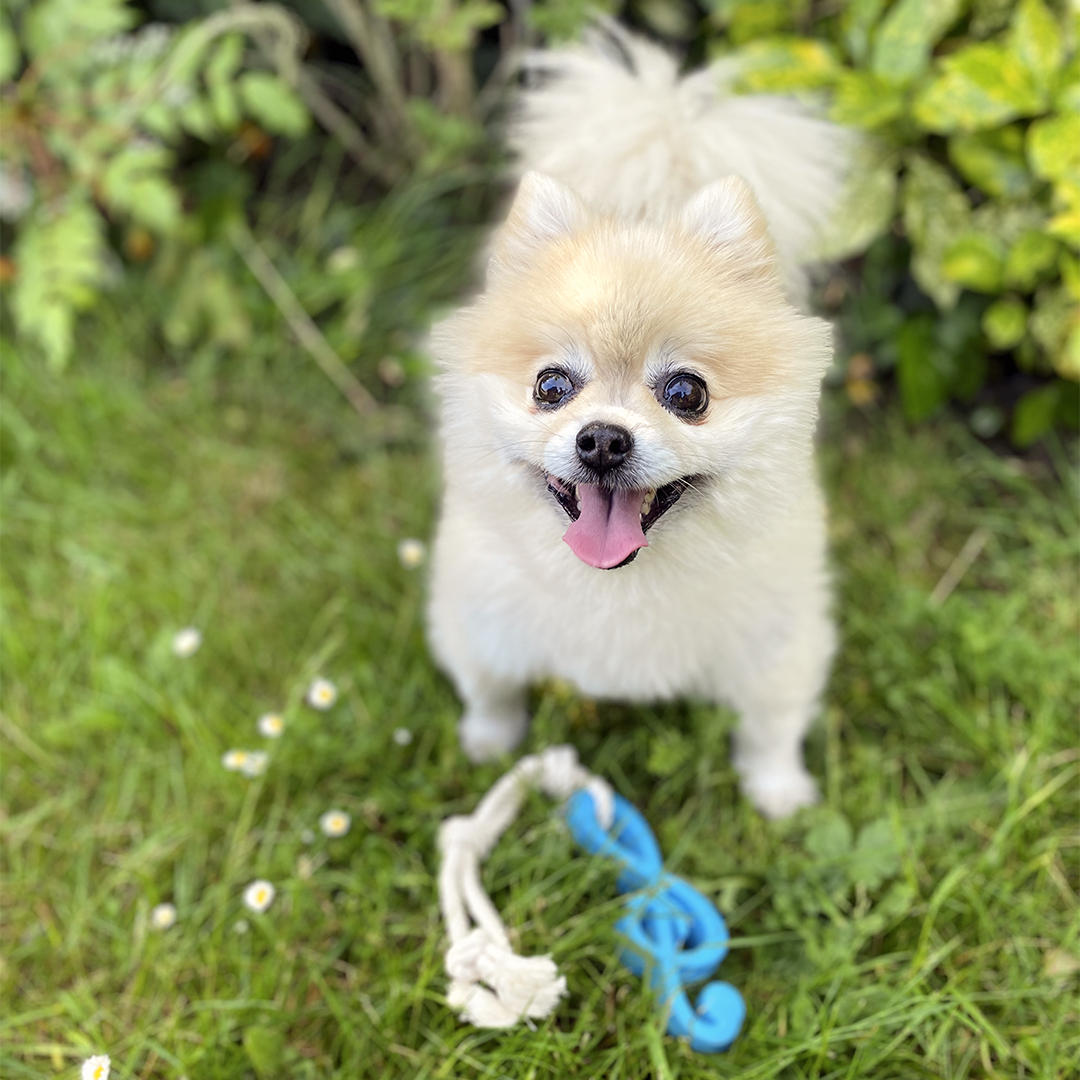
[{"x": 603, "y": 446}]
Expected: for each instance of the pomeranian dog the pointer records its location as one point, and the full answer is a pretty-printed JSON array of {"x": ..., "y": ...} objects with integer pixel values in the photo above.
[{"x": 628, "y": 410}]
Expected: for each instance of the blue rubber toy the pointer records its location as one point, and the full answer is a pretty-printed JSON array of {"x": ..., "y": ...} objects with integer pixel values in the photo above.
[{"x": 676, "y": 935}]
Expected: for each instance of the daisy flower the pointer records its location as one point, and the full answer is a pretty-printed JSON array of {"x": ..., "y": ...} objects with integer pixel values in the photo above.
[
  {"x": 402, "y": 736},
  {"x": 307, "y": 836},
  {"x": 322, "y": 693},
  {"x": 163, "y": 916},
  {"x": 254, "y": 763},
  {"x": 96, "y": 1068},
  {"x": 411, "y": 553},
  {"x": 241, "y": 926},
  {"x": 335, "y": 823},
  {"x": 271, "y": 725},
  {"x": 187, "y": 642},
  {"x": 234, "y": 760},
  {"x": 259, "y": 895}
]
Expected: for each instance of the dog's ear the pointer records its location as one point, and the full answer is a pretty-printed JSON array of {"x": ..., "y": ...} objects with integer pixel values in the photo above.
[
  {"x": 726, "y": 215},
  {"x": 543, "y": 211}
]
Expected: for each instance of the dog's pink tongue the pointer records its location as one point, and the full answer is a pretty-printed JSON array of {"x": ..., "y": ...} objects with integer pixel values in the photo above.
[{"x": 609, "y": 528}]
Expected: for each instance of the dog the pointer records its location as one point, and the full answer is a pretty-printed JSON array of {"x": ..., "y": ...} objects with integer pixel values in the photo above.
[{"x": 630, "y": 499}]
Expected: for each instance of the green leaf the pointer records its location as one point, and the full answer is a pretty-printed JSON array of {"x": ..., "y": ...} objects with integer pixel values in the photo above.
[
  {"x": 1065, "y": 224},
  {"x": 857, "y": 21},
  {"x": 198, "y": 118},
  {"x": 1004, "y": 322},
  {"x": 1031, "y": 259},
  {"x": 10, "y": 56},
  {"x": 1054, "y": 322},
  {"x": 60, "y": 255},
  {"x": 1053, "y": 147},
  {"x": 993, "y": 161},
  {"x": 780, "y": 65},
  {"x": 223, "y": 64},
  {"x": 750, "y": 20},
  {"x": 904, "y": 40},
  {"x": 272, "y": 104},
  {"x": 265, "y": 1049},
  {"x": 1037, "y": 40},
  {"x": 936, "y": 215},
  {"x": 1067, "y": 362},
  {"x": 1067, "y": 89},
  {"x": 668, "y": 752},
  {"x": 876, "y": 856},
  {"x": 831, "y": 836},
  {"x": 868, "y": 203},
  {"x": 923, "y": 388},
  {"x": 135, "y": 182},
  {"x": 865, "y": 100},
  {"x": 976, "y": 261},
  {"x": 67, "y": 25},
  {"x": 1033, "y": 416},
  {"x": 564, "y": 20},
  {"x": 225, "y": 60},
  {"x": 225, "y": 105},
  {"x": 1069, "y": 265},
  {"x": 981, "y": 86}
]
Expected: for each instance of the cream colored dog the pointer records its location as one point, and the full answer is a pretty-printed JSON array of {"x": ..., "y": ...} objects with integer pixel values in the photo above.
[{"x": 628, "y": 411}]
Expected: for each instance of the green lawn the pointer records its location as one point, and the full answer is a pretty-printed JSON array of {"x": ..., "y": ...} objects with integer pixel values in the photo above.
[{"x": 922, "y": 922}]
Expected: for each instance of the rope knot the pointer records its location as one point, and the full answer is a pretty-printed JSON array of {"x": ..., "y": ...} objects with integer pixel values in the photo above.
[{"x": 495, "y": 987}]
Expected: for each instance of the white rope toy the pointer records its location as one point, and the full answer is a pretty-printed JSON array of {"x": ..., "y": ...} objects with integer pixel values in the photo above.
[{"x": 489, "y": 982}]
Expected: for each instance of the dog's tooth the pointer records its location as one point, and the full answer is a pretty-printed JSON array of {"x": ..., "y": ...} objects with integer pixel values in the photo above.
[{"x": 646, "y": 503}]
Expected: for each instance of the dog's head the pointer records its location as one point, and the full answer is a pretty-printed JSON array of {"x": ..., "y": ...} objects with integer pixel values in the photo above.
[{"x": 626, "y": 364}]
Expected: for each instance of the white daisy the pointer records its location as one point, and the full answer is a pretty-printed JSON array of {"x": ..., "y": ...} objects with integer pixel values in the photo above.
[
  {"x": 163, "y": 916},
  {"x": 241, "y": 926},
  {"x": 322, "y": 693},
  {"x": 403, "y": 736},
  {"x": 335, "y": 823},
  {"x": 259, "y": 895},
  {"x": 254, "y": 763},
  {"x": 234, "y": 760},
  {"x": 411, "y": 553},
  {"x": 307, "y": 836},
  {"x": 271, "y": 725},
  {"x": 187, "y": 642},
  {"x": 96, "y": 1068}
]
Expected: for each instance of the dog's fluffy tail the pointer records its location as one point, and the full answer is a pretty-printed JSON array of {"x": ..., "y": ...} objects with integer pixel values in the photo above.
[{"x": 613, "y": 120}]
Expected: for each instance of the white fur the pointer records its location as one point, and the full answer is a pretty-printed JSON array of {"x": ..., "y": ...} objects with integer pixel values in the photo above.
[
  {"x": 642, "y": 143},
  {"x": 730, "y": 600}
]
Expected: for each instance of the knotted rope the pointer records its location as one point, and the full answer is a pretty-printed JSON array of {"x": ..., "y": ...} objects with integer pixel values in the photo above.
[{"x": 489, "y": 982}]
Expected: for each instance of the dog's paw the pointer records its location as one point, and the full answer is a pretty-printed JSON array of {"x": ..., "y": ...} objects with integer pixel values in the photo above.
[
  {"x": 485, "y": 737},
  {"x": 780, "y": 792}
]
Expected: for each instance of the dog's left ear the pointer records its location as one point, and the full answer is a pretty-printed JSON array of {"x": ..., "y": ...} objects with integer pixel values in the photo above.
[
  {"x": 543, "y": 212},
  {"x": 726, "y": 215}
]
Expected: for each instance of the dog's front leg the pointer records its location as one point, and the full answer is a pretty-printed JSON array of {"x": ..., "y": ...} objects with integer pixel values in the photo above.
[
  {"x": 495, "y": 719},
  {"x": 768, "y": 757}
]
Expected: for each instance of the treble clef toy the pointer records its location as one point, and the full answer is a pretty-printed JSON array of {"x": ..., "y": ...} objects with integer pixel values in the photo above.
[{"x": 675, "y": 935}]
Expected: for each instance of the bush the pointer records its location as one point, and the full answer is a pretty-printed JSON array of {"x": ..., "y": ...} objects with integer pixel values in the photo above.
[{"x": 970, "y": 182}]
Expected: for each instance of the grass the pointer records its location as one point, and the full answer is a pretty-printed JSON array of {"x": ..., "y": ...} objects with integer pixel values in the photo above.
[{"x": 922, "y": 922}]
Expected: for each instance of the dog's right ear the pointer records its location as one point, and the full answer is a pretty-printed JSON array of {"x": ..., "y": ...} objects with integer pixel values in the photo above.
[
  {"x": 726, "y": 215},
  {"x": 543, "y": 212}
]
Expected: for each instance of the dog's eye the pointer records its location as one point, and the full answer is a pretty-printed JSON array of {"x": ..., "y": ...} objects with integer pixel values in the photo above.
[
  {"x": 685, "y": 394},
  {"x": 552, "y": 387}
]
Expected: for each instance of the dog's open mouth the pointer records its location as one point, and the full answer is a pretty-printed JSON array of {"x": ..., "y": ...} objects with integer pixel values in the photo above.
[{"x": 608, "y": 525}]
